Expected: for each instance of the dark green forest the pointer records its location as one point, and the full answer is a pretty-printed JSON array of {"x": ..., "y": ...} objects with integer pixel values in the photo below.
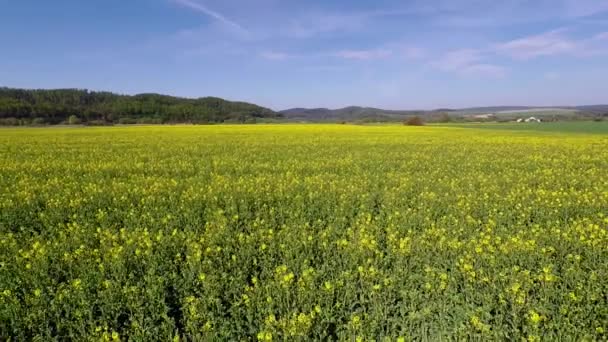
[{"x": 26, "y": 107}]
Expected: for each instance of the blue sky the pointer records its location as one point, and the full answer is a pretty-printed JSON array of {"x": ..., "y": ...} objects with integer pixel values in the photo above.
[{"x": 315, "y": 53}]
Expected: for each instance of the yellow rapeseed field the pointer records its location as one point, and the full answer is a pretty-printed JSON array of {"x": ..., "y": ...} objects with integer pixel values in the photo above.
[{"x": 302, "y": 232}]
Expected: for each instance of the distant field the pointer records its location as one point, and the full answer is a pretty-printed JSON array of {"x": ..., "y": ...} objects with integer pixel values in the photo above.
[
  {"x": 540, "y": 111},
  {"x": 478, "y": 232},
  {"x": 518, "y": 113},
  {"x": 590, "y": 127}
]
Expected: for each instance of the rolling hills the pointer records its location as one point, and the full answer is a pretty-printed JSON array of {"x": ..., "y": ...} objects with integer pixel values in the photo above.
[
  {"x": 54, "y": 106},
  {"x": 354, "y": 113},
  {"x": 24, "y": 106}
]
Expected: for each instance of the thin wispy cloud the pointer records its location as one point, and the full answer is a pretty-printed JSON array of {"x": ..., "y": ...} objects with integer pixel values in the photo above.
[
  {"x": 484, "y": 70},
  {"x": 601, "y": 36},
  {"x": 310, "y": 25},
  {"x": 457, "y": 59},
  {"x": 468, "y": 14},
  {"x": 546, "y": 44},
  {"x": 468, "y": 62},
  {"x": 363, "y": 54},
  {"x": 199, "y": 7},
  {"x": 324, "y": 68},
  {"x": 553, "y": 43},
  {"x": 354, "y": 54},
  {"x": 585, "y": 8},
  {"x": 275, "y": 56},
  {"x": 412, "y": 52}
]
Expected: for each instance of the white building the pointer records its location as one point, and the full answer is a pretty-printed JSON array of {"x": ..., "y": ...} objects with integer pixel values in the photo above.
[{"x": 530, "y": 119}]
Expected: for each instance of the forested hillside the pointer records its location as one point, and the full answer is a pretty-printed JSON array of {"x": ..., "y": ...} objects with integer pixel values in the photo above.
[
  {"x": 22, "y": 107},
  {"x": 352, "y": 113}
]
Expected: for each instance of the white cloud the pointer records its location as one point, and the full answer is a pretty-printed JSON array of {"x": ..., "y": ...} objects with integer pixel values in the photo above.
[
  {"x": 601, "y": 36},
  {"x": 491, "y": 13},
  {"x": 387, "y": 51},
  {"x": 584, "y": 8},
  {"x": 553, "y": 43},
  {"x": 468, "y": 62},
  {"x": 309, "y": 26},
  {"x": 325, "y": 68},
  {"x": 313, "y": 24},
  {"x": 484, "y": 70},
  {"x": 413, "y": 52},
  {"x": 209, "y": 12},
  {"x": 546, "y": 44},
  {"x": 363, "y": 54},
  {"x": 275, "y": 56},
  {"x": 457, "y": 59}
]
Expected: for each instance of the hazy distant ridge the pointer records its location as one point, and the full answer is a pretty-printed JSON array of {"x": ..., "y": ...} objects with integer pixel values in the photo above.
[{"x": 363, "y": 113}]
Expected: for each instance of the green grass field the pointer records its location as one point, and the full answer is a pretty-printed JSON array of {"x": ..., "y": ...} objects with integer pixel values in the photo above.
[{"x": 304, "y": 232}]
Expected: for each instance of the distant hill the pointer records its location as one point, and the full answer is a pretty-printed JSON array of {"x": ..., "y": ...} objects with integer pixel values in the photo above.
[
  {"x": 599, "y": 108},
  {"x": 376, "y": 114},
  {"x": 27, "y": 106},
  {"x": 352, "y": 113},
  {"x": 24, "y": 106},
  {"x": 493, "y": 109}
]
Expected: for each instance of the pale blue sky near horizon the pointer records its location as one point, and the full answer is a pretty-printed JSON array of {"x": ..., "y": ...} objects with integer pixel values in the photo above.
[{"x": 417, "y": 54}]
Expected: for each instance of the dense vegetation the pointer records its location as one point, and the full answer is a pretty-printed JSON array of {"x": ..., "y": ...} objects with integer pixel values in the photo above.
[
  {"x": 350, "y": 114},
  {"x": 302, "y": 232},
  {"x": 75, "y": 106},
  {"x": 23, "y": 107}
]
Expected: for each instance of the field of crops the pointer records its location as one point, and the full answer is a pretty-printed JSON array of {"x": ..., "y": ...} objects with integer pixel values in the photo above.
[{"x": 302, "y": 232}]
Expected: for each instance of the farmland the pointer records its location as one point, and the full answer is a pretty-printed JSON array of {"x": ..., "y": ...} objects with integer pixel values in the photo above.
[{"x": 299, "y": 232}]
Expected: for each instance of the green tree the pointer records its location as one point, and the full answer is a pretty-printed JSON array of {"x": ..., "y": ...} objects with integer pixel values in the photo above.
[
  {"x": 60, "y": 105},
  {"x": 414, "y": 121}
]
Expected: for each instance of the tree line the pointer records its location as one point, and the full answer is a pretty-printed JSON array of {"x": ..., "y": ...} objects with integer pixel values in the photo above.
[{"x": 56, "y": 106}]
